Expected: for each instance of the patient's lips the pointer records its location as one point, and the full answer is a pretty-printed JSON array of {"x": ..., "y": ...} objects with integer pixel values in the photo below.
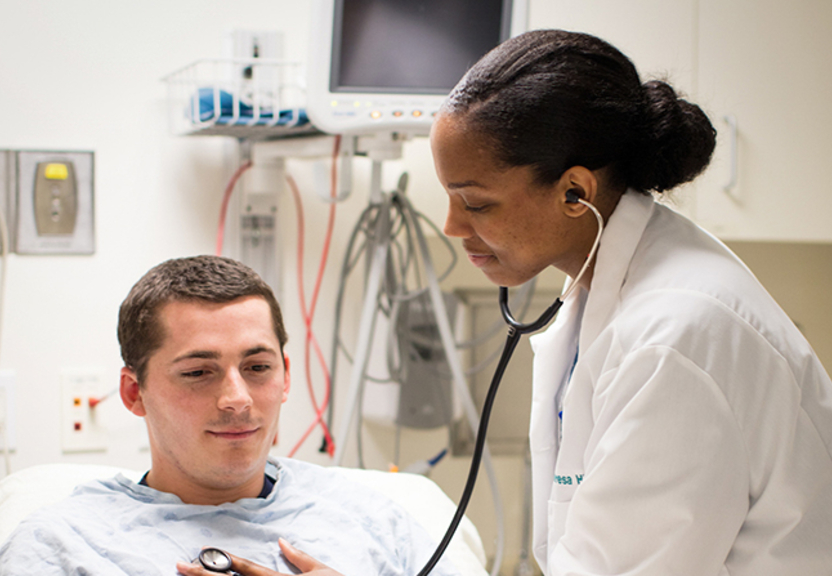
[{"x": 234, "y": 433}]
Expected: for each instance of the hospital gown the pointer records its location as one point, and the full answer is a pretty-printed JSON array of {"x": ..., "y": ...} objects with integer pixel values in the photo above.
[{"x": 119, "y": 527}]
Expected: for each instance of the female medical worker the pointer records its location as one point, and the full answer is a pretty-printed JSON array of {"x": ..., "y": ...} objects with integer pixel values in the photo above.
[{"x": 680, "y": 422}]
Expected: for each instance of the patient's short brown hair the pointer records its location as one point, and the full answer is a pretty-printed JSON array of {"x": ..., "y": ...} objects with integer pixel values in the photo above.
[{"x": 207, "y": 278}]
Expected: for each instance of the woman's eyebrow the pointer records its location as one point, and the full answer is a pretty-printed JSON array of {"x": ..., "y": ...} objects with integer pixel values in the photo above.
[{"x": 465, "y": 184}]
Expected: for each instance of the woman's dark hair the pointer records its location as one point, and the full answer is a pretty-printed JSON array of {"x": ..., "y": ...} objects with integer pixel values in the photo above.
[{"x": 552, "y": 99}]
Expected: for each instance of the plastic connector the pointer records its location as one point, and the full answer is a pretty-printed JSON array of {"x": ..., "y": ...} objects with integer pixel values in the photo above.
[
  {"x": 425, "y": 466},
  {"x": 93, "y": 401}
]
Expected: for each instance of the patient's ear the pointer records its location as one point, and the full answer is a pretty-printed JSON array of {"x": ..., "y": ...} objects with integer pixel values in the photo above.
[
  {"x": 131, "y": 394},
  {"x": 286, "y": 379}
]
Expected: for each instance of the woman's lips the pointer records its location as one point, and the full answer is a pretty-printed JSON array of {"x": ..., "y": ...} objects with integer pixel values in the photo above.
[{"x": 479, "y": 260}]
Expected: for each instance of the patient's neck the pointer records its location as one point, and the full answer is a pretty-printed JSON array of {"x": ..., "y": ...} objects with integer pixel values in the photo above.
[{"x": 197, "y": 491}]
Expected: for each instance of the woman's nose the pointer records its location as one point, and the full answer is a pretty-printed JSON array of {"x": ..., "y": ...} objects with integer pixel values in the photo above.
[{"x": 456, "y": 225}]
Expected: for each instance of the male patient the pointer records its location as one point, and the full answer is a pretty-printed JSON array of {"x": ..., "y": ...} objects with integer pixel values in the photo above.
[{"x": 202, "y": 340}]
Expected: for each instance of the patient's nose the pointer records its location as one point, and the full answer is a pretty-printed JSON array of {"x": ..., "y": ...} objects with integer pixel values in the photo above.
[{"x": 235, "y": 393}]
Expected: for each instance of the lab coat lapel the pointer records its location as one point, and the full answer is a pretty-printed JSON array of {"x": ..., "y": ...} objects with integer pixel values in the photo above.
[
  {"x": 618, "y": 245},
  {"x": 554, "y": 354}
]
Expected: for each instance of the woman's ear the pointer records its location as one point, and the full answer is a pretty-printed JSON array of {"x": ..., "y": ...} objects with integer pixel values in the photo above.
[
  {"x": 577, "y": 182},
  {"x": 131, "y": 394}
]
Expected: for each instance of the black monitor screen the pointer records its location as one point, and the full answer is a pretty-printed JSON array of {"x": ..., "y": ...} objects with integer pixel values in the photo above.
[{"x": 412, "y": 46}]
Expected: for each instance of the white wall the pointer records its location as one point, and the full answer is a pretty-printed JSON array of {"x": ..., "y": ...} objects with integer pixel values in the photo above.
[{"x": 86, "y": 75}]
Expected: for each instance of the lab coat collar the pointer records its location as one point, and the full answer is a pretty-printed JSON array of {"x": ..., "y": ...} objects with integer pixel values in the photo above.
[
  {"x": 582, "y": 316},
  {"x": 554, "y": 353},
  {"x": 621, "y": 236}
]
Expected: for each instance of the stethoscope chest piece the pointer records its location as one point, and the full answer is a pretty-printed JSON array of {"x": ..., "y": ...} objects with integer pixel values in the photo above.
[{"x": 215, "y": 560}]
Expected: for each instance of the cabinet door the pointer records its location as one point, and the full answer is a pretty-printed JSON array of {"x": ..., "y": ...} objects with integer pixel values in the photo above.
[{"x": 768, "y": 63}]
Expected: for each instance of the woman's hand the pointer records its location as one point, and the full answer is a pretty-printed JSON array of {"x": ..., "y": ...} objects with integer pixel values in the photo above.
[{"x": 305, "y": 563}]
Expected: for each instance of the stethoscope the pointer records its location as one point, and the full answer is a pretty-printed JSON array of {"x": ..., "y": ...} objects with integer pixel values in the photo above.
[
  {"x": 515, "y": 330},
  {"x": 216, "y": 560}
]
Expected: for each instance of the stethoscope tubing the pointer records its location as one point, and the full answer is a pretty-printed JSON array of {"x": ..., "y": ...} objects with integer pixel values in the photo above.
[
  {"x": 511, "y": 343},
  {"x": 515, "y": 331}
]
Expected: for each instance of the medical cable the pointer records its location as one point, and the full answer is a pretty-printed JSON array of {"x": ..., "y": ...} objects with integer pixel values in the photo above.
[
  {"x": 93, "y": 402},
  {"x": 474, "y": 419},
  {"x": 308, "y": 314},
  {"x": 523, "y": 296},
  {"x": 395, "y": 289},
  {"x": 229, "y": 189},
  {"x": 515, "y": 330},
  {"x": 388, "y": 238},
  {"x": 310, "y": 340}
]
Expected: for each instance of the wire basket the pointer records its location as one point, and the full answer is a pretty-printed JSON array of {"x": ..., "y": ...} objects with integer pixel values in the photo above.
[{"x": 247, "y": 98}]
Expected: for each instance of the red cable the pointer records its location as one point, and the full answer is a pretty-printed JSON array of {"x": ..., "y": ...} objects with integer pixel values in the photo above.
[
  {"x": 226, "y": 197},
  {"x": 310, "y": 339},
  {"x": 308, "y": 315}
]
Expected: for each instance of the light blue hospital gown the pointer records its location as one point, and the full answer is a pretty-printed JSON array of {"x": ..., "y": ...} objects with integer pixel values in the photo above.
[{"x": 119, "y": 527}]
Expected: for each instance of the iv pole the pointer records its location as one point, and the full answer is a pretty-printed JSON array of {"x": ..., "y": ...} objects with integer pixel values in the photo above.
[{"x": 380, "y": 251}]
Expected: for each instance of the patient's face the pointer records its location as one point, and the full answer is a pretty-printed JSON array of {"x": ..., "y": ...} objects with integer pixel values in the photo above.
[{"x": 212, "y": 398}]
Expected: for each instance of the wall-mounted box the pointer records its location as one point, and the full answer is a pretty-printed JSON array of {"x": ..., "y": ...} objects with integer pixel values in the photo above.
[{"x": 49, "y": 201}]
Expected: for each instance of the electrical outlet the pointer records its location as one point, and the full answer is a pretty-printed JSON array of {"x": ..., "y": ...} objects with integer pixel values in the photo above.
[
  {"x": 81, "y": 428},
  {"x": 7, "y": 408}
]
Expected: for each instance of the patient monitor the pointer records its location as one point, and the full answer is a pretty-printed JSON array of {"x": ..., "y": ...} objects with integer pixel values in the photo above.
[{"x": 386, "y": 65}]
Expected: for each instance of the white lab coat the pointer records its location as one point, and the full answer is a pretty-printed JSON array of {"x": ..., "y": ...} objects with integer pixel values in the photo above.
[{"x": 697, "y": 421}]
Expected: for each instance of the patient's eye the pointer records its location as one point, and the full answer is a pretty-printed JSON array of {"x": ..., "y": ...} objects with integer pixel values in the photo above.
[
  {"x": 260, "y": 367},
  {"x": 193, "y": 374}
]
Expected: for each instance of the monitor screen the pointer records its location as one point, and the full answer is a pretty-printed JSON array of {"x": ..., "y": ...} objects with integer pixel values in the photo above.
[
  {"x": 412, "y": 46},
  {"x": 386, "y": 66}
]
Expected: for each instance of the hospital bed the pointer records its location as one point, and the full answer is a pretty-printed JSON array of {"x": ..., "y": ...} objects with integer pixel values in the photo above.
[{"x": 31, "y": 488}]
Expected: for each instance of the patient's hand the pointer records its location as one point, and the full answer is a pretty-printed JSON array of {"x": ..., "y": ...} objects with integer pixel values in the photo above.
[{"x": 305, "y": 563}]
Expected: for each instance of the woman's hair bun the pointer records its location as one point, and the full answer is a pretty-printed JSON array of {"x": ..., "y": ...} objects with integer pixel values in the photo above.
[
  {"x": 677, "y": 140},
  {"x": 552, "y": 99}
]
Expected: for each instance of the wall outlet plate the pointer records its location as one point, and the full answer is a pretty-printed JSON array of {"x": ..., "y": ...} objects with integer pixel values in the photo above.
[
  {"x": 81, "y": 428},
  {"x": 55, "y": 202}
]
